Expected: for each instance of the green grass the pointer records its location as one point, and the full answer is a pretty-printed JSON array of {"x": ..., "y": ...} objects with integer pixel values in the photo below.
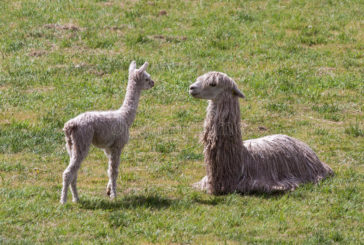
[{"x": 299, "y": 63}]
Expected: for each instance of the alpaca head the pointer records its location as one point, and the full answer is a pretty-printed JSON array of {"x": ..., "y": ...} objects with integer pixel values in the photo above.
[
  {"x": 140, "y": 76},
  {"x": 212, "y": 85}
]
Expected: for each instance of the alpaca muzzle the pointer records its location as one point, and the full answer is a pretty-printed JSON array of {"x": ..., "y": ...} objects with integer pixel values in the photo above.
[{"x": 193, "y": 91}]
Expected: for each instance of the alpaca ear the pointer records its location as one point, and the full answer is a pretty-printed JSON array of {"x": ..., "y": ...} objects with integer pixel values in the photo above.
[
  {"x": 132, "y": 66},
  {"x": 238, "y": 93},
  {"x": 143, "y": 67}
]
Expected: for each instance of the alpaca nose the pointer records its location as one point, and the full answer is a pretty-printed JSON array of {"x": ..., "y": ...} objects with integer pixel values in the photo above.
[{"x": 192, "y": 87}]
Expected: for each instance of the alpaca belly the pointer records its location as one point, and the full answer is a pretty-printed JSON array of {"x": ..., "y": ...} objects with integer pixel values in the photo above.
[
  {"x": 106, "y": 140},
  {"x": 101, "y": 142}
]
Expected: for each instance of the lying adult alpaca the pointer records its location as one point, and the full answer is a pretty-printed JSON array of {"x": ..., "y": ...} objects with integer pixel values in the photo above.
[
  {"x": 108, "y": 130},
  {"x": 268, "y": 164}
]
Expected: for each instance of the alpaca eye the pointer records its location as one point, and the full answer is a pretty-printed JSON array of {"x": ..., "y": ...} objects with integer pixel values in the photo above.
[{"x": 213, "y": 84}]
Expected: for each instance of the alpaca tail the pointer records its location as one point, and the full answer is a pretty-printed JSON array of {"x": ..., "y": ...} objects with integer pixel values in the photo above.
[{"x": 68, "y": 128}]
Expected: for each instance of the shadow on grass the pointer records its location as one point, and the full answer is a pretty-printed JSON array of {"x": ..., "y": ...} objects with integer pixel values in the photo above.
[
  {"x": 272, "y": 195},
  {"x": 213, "y": 201},
  {"x": 127, "y": 202},
  {"x": 158, "y": 202}
]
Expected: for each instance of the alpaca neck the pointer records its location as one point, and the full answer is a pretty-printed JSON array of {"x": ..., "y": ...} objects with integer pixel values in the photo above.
[
  {"x": 131, "y": 101},
  {"x": 223, "y": 147}
]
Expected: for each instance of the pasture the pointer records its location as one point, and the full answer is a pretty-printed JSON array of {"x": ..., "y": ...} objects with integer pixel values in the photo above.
[{"x": 299, "y": 63}]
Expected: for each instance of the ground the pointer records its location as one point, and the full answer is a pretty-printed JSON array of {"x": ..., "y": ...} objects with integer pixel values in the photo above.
[{"x": 299, "y": 63}]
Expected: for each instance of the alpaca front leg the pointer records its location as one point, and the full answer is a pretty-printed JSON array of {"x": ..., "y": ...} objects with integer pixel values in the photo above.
[
  {"x": 113, "y": 171},
  {"x": 202, "y": 185}
]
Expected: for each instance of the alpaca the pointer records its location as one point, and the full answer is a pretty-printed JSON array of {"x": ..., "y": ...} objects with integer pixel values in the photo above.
[
  {"x": 269, "y": 164},
  {"x": 108, "y": 130}
]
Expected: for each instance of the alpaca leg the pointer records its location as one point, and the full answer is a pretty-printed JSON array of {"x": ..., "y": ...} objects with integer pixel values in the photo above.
[
  {"x": 74, "y": 181},
  {"x": 108, "y": 186},
  {"x": 202, "y": 185},
  {"x": 69, "y": 150},
  {"x": 114, "y": 161},
  {"x": 69, "y": 175},
  {"x": 74, "y": 189},
  {"x": 79, "y": 152},
  {"x": 65, "y": 177}
]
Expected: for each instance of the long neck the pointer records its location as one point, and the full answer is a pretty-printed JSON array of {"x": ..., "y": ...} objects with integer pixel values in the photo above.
[
  {"x": 131, "y": 101},
  {"x": 223, "y": 147}
]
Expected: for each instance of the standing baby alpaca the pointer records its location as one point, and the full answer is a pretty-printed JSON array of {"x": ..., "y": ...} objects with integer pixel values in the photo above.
[{"x": 108, "y": 130}]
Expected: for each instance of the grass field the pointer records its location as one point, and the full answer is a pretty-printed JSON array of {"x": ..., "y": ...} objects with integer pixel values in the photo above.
[{"x": 299, "y": 63}]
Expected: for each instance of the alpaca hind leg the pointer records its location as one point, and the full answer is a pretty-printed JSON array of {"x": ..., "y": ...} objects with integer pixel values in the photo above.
[
  {"x": 69, "y": 175},
  {"x": 79, "y": 151},
  {"x": 114, "y": 161},
  {"x": 74, "y": 189},
  {"x": 69, "y": 150},
  {"x": 108, "y": 186}
]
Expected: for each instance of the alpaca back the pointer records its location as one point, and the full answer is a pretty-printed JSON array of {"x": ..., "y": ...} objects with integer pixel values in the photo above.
[
  {"x": 279, "y": 163},
  {"x": 105, "y": 127}
]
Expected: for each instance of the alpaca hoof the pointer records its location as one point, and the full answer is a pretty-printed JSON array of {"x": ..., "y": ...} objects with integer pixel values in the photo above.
[
  {"x": 75, "y": 200},
  {"x": 62, "y": 202},
  {"x": 108, "y": 191},
  {"x": 201, "y": 185},
  {"x": 196, "y": 186}
]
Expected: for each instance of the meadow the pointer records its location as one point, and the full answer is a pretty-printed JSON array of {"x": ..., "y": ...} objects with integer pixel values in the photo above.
[{"x": 300, "y": 64}]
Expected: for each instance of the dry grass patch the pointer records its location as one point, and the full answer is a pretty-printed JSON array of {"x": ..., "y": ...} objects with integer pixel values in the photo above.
[
  {"x": 10, "y": 115},
  {"x": 37, "y": 53},
  {"x": 68, "y": 27}
]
